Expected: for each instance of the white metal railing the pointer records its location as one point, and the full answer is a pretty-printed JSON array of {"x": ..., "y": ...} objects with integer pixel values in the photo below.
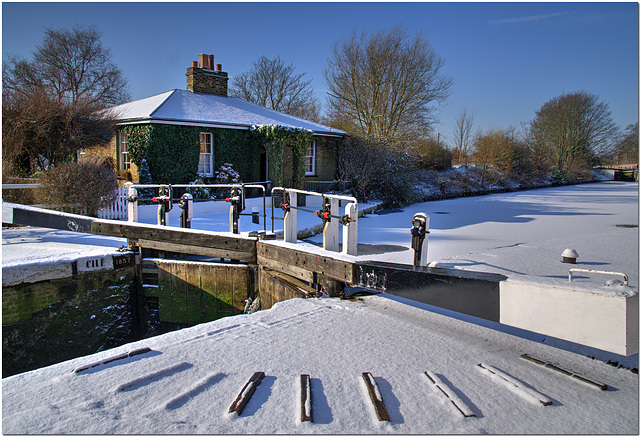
[
  {"x": 330, "y": 217},
  {"x": 594, "y": 271},
  {"x": 164, "y": 200}
]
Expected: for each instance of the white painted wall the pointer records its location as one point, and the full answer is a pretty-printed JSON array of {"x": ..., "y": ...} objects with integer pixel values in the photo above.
[{"x": 601, "y": 320}]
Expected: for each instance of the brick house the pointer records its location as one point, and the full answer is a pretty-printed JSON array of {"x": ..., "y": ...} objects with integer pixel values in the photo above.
[{"x": 182, "y": 133}]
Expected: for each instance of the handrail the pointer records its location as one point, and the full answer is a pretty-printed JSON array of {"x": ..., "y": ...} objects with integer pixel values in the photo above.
[
  {"x": 330, "y": 209},
  {"x": 624, "y": 276},
  {"x": 240, "y": 186},
  {"x": 301, "y": 191}
]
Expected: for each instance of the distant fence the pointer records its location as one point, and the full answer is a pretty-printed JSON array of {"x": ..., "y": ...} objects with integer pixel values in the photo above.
[{"x": 117, "y": 209}]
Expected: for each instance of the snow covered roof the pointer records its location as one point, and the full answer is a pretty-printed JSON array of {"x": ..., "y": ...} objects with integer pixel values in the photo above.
[{"x": 180, "y": 106}]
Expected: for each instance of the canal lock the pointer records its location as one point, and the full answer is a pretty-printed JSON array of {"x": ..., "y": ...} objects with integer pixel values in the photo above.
[{"x": 94, "y": 309}]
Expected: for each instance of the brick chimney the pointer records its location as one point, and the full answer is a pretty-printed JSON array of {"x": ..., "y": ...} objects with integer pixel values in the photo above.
[{"x": 202, "y": 78}]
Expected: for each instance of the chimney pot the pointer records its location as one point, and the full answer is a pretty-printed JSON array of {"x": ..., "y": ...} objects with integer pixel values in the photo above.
[
  {"x": 219, "y": 67},
  {"x": 203, "y": 60},
  {"x": 211, "y": 62},
  {"x": 194, "y": 64}
]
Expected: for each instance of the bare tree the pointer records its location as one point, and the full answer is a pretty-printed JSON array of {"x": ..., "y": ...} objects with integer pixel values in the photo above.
[
  {"x": 71, "y": 65},
  {"x": 52, "y": 105},
  {"x": 39, "y": 130},
  {"x": 572, "y": 130},
  {"x": 463, "y": 135},
  {"x": 386, "y": 83},
  {"x": 494, "y": 149},
  {"x": 626, "y": 150},
  {"x": 273, "y": 84}
]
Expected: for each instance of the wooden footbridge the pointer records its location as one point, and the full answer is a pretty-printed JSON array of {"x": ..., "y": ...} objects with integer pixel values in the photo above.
[{"x": 192, "y": 276}]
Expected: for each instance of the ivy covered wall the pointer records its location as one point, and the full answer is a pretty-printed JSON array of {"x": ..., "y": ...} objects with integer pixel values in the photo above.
[
  {"x": 275, "y": 139},
  {"x": 172, "y": 152}
]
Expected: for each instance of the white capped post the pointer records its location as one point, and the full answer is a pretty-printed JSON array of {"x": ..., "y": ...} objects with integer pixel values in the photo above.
[
  {"x": 350, "y": 231},
  {"x": 331, "y": 230},
  {"x": 132, "y": 202},
  {"x": 291, "y": 218}
]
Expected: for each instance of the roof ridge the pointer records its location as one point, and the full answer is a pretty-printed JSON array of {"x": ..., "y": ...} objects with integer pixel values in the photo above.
[{"x": 170, "y": 93}]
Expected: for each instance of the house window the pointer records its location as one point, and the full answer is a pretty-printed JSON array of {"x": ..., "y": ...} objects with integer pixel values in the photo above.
[
  {"x": 124, "y": 160},
  {"x": 310, "y": 166},
  {"x": 205, "y": 165}
]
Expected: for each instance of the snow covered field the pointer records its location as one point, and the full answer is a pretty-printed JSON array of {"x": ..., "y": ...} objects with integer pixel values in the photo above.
[{"x": 190, "y": 378}]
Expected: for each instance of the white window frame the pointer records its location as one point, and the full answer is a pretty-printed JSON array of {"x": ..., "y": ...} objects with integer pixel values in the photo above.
[
  {"x": 310, "y": 170},
  {"x": 124, "y": 159},
  {"x": 202, "y": 160}
]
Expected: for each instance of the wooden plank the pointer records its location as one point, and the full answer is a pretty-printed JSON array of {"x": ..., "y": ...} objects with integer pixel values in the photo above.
[
  {"x": 197, "y": 250},
  {"x": 514, "y": 385},
  {"x": 178, "y": 293},
  {"x": 165, "y": 302},
  {"x": 173, "y": 234},
  {"x": 245, "y": 394},
  {"x": 376, "y": 397},
  {"x": 276, "y": 265},
  {"x": 593, "y": 383},
  {"x": 240, "y": 281},
  {"x": 33, "y": 216},
  {"x": 303, "y": 264},
  {"x": 305, "y": 398},
  {"x": 443, "y": 388}
]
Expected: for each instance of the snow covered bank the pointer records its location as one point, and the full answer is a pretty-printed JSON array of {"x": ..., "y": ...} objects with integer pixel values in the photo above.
[{"x": 188, "y": 380}]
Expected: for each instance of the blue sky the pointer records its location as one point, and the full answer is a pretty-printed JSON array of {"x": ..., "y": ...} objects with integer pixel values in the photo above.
[{"x": 506, "y": 59}]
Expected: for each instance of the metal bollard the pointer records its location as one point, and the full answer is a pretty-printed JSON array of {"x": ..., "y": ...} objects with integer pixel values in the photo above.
[
  {"x": 186, "y": 214},
  {"x": 236, "y": 208},
  {"x": 164, "y": 204},
  {"x": 420, "y": 238}
]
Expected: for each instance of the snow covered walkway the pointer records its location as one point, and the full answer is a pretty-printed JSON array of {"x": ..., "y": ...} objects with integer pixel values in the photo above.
[{"x": 189, "y": 378}]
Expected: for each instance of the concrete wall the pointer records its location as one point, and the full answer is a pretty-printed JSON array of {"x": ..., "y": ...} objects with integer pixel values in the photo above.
[{"x": 600, "y": 320}]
